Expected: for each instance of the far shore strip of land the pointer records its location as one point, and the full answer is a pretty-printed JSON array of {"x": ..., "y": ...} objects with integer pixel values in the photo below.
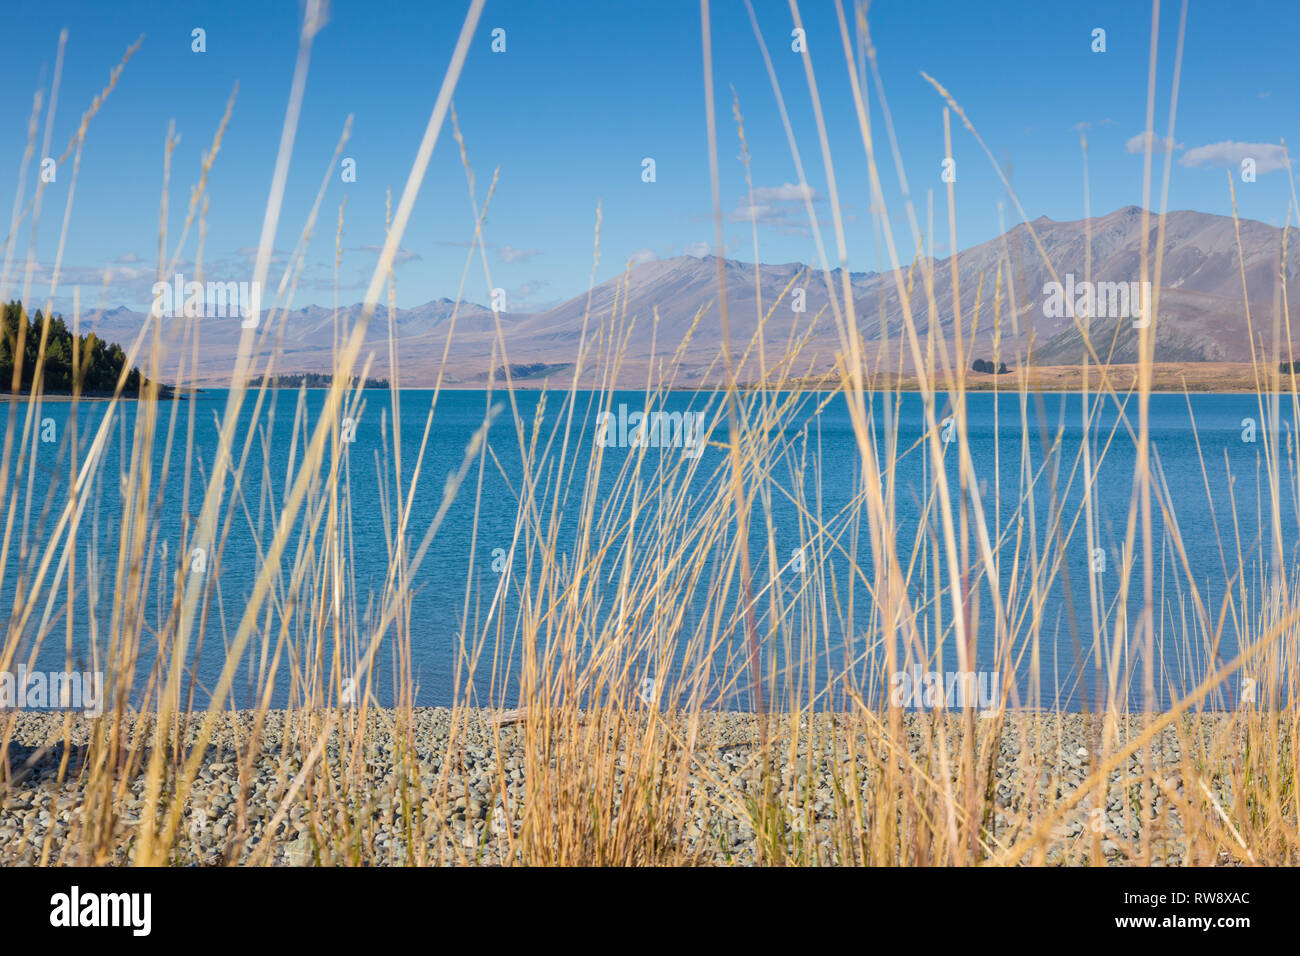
[
  {"x": 1166, "y": 377},
  {"x": 1170, "y": 377}
]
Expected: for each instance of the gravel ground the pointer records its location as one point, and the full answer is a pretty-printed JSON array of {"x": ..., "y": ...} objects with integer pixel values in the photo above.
[{"x": 475, "y": 819}]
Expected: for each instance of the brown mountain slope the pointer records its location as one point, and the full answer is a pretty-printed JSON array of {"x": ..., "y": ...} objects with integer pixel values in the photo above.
[{"x": 646, "y": 313}]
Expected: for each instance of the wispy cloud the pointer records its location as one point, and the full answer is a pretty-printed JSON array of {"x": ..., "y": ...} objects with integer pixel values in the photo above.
[
  {"x": 641, "y": 255},
  {"x": 250, "y": 252},
  {"x": 1084, "y": 125},
  {"x": 1268, "y": 157},
  {"x": 506, "y": 253},
  {"x": 526, "y": 297},
  {"x": 400, "y": 257},
  {"x": 779, "y": 206},
  {"x": 787, "y": 192},
  {"x": 1159, "y": 144},
  {"x": 509, "y": 253}
]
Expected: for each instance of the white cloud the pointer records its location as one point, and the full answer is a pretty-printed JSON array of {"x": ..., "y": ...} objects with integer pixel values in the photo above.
[
  {"x": 1268, "y": 157},
  {"x": 641, "y": 255},
  {"x": 1138, "y": 144},
  {"x": 698, "y": 249},
  {"x": 511, "y": 254},
  {"x": 781, "y": 206},
  {"x": 787, "y": 192}
]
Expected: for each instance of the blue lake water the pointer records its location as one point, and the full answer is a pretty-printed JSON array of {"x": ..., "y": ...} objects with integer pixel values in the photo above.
[{"x": 1215, "y": 479}]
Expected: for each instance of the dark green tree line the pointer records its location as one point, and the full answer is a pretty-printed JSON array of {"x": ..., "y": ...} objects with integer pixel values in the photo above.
[{"x": 99, "y": 363}]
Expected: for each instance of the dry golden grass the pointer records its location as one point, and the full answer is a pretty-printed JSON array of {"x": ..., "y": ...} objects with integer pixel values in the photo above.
[{"x": 607, "y": 779}]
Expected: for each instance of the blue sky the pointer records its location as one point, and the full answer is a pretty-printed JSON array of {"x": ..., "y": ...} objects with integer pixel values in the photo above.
[{"x": 585, "y": 90}]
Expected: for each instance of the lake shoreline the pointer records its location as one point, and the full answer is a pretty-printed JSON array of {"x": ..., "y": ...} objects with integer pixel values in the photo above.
[
  {"x": 47, "y": 398},
  {"x": 1167, "y": 378}
]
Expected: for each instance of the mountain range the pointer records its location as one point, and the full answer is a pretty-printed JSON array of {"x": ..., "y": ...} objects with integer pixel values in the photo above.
[{"x": 645, "y": 314}]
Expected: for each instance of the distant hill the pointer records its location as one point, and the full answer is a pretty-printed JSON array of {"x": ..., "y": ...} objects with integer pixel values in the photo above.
[
  {"x": 1202, "y": 312},
  {"x": 307, "y": 338}
]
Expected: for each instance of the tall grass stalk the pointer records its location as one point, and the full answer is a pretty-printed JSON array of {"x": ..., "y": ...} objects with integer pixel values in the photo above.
[{"x": 660, "y": 671}]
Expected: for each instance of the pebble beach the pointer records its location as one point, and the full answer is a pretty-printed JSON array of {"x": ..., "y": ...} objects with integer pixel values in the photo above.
[{"x": 464, "y": 796}]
